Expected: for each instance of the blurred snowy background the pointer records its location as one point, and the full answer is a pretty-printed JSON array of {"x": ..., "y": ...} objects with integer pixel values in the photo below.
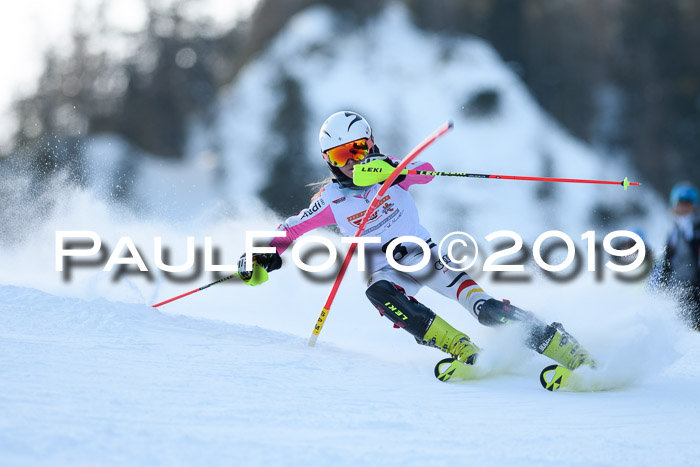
[{"x": 198, "y": 112}]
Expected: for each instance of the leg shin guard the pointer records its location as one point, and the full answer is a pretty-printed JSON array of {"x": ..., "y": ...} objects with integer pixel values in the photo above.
[
  {"x": 404, "y": 311},
  {"x": 495, "y": 312}
]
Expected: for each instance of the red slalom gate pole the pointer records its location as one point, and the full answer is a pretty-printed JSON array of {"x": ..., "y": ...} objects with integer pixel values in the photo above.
[{"x": 372, "y": 207}]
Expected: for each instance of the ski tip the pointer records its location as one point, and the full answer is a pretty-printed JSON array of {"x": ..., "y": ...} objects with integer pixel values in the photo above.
[
  {"x": 553, "y": 377},
  {"x": 442, "y": 367},
  {"x": 545, "y": 374},
  {"x": 450, "y": 124}
]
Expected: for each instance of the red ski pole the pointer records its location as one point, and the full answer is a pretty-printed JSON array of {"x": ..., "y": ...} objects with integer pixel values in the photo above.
[
  {"x": 624, "y": 183},
  {"x": 259, "y": 276},
  {"x": 235, "y": 274},
  {"x": 369, "y": 173}
]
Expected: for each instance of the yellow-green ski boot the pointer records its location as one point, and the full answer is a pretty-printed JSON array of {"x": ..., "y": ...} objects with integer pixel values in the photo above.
[
  {"x": 443, "y": 336},
  {"x": 564, "y": 349},
  {"x": 460, "y": 367}
]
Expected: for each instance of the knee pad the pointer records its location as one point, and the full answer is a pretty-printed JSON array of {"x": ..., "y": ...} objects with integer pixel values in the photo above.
[{"x": 404, "y": 311}]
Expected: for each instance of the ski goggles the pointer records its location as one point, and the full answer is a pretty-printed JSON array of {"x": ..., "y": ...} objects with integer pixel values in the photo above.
[{"x": 340, "y": 155}]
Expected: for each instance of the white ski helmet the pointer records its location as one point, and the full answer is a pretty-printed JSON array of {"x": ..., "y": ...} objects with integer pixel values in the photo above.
[{"x": 343, "y": 127}]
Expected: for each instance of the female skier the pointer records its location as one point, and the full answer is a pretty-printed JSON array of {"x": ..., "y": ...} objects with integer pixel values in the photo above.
[{"x": 346, "y": 140}]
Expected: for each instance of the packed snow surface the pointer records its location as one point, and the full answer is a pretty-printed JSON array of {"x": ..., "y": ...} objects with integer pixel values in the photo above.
[{"x": 94, "y": 382}]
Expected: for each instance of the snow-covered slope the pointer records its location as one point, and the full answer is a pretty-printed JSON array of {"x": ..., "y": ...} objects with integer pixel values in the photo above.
[{"x": 103, "y": 383}]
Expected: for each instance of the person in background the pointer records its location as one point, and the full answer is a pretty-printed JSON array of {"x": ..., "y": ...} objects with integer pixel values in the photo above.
[{"x": 679, "y": 268}]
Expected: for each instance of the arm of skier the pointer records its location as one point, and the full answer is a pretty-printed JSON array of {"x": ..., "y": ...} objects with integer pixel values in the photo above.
[
  {"x": 405, "y": 181},
  {"x": 378, "y": 167},
  {"x": 318, "y": 214},
  {"x": 413, "y": 179}
]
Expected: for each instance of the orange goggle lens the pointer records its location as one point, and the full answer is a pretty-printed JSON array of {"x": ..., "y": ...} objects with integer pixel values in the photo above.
[{"x": 340, "y": 155}]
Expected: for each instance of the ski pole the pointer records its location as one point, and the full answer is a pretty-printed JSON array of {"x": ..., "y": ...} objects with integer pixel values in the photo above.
[
  {"x": 259, "y": 276},
  {"x": 372, "y": 207},
  {"x": 369, "y": 173}
]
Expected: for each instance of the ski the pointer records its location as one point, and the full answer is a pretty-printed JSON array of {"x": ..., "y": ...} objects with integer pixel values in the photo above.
[
  {"x": 451, "y": 369},
  {"x": 583, "y": 379},
  {"x": 552, "y": 378}
]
